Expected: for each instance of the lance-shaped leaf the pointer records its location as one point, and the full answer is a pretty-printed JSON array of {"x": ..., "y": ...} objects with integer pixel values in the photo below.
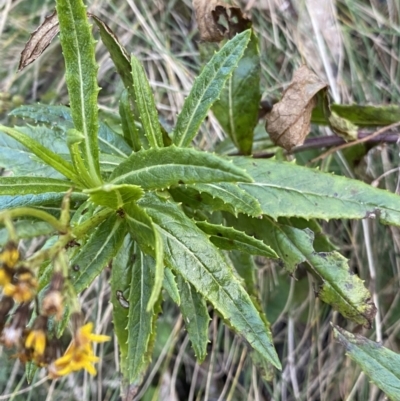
[
  {"x": 246, "y": 268},
  {"x": 114, "y": 196},
  {"x": 171, "y": 286},
  {"x": 131, "y": 133},
  {"x": 26, "y": 229},
  {"x": 163, "y": 167},
  {"x": 238, "y": 105},
  {"x": 81, "y": 77},
  {"x": 230, "y": 239},
  {"x": 337, "y": 285},
  {"x": 145, "y": 233},
  {"x": 50, "y": 201},
  {"x": 207, "y": 87},
  {"x": 39, "y": 41},
  {"x": 195, "y": 315},
  {"x": 224, "y": 196},
  {"x": 146, "y": 105},
  {"x": 362, "y": 115},
  {"x": 380, "y": 364},
  {"x": 32, "y": 185},
  {"x": 285, "y": 189},
  {"x": 60, "y": 121},
  {"x": 188, "y": 251},
  {"x": 117, "y": 52},
  {"x": 97, "y": 252},
  {"x": 45, "y": 155},
  {"x": 121, "y": 279},
  {"x": 140, "y": 319}
]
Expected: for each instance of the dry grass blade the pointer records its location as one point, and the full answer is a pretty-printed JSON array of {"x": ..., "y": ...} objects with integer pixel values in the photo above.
[{"x": 39, "y": 41}]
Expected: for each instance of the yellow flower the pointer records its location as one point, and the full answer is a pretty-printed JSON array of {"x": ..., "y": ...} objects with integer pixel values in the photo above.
[
  {"x": 10, "y": 256},
  {"x": 5, "y": 276},
  {"x": 24, "y": 289},
  {"x": 79, "y": 354},
  {"x": 36, "y": 340}
]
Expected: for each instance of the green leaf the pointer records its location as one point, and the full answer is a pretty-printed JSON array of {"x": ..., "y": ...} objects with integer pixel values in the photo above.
[
  {"x": 235, "y": 200},
  {"x": 163, "y": 167},
  {"x": 230, "y": 239},
  {"x": 140, "y": 318},
  {"x": 59, "y": 119},
  {"x": 114, "y": 196},
  {"x": 188, "y": 251},
  {"x": 81, "y": 77},
  {"x": 121, "y": 278},
  {"x": 223, "y": 196},
  {"x": 170, "y": 286},
  {"x": 131, "y": 133},
  {"x": 285, "y": 189},
  {"x": 28, "y": 164},
  {"x": 380, "y": 364},
  {"x": 146, "y": 105},
  {"x": 47, "y": 156},
  {"x": 207, "y": 88},
  {"x": 145, "y": 233},
  {"x": 117, "y": 52},
  {"x": 26, "y": 229},
  {"x": 195, "y": 315},
  {"x": 109, "y": 162},
  {"x": 238, "y": 105},
  {"x": 246, "y": 268},
  {"x": 49, "y": 200},
  {"x": 32, "y": 185},
  {"x": 97, "y": 252},
  {"x": 338, "y": 286},
  {"x": 364, "y": 116}
]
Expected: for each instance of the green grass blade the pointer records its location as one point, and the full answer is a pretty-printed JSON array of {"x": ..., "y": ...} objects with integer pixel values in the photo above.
[
  {"x": 380, "y": 364},
  {"x": 81, "y": 77},
  {"x": 146, "y": 105},
  {"x": 207, "y": 88}
]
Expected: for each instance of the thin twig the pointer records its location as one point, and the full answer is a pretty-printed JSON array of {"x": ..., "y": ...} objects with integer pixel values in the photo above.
[{"x": 358, "y": 141}]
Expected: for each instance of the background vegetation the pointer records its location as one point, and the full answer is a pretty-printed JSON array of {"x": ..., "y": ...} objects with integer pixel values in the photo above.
[{"x": 355, "y": 45}]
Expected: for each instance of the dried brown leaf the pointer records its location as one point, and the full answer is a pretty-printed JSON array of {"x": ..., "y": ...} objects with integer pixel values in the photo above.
[
  {"x": 39, "y": 41},
  {"x": 218, "y": 20},
  {"x": 288, "y": 123}
]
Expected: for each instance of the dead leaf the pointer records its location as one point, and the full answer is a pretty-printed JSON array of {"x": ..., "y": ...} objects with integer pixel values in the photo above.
[
  {"x": 39, "y": 41},
  {"x": 218, "y": 20},
  {"x": 288, "y": 123}
]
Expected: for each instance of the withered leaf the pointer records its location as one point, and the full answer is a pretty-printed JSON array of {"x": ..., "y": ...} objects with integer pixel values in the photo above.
[
  {"x": 218, "y": 20},
  {"x": 39, "y": 41},
  {"x": 288, "y": 123}
]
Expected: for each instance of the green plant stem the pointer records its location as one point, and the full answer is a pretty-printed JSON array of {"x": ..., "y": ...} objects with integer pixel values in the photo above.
[{"x": 39, "y": 214}]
